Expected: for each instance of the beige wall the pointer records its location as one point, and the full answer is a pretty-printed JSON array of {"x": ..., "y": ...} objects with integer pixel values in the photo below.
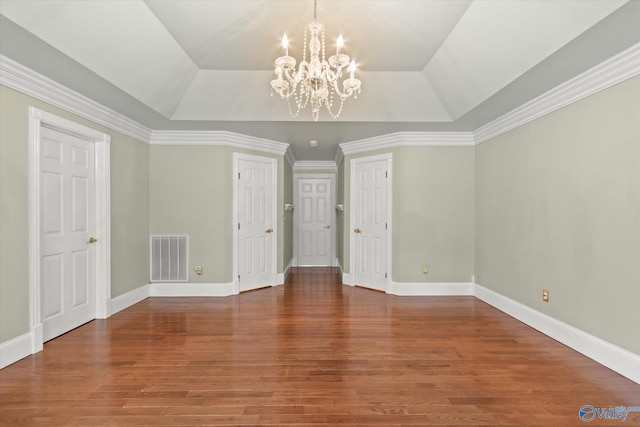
[
  {"x": 432, "y": 214},
  {"x": 192, "y": 193},
  {"x": 558, "y": 207},
  {"x": 129, "y": 210}
]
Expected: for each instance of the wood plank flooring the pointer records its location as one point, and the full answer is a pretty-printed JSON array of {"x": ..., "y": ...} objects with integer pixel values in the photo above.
[{"x": 313, "y": 353}]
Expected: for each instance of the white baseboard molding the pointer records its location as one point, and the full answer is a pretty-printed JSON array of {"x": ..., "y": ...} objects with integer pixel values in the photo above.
[
  {"x": 15, "y": 349},
  {"x": 346, "y": 279},
  {"x": 613, "y": 357},
  {"x": 430, "y": 289},
  {"x": 340, "y": 269},
  {"x": 282, "y": 277},
  {"x": 128, "y": 299},
  {"x": 286, "y": 273},
  {"x": 191, "y": 289}
]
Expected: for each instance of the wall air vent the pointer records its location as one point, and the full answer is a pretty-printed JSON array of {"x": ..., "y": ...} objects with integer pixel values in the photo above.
[{"x": 169, "y": 258}]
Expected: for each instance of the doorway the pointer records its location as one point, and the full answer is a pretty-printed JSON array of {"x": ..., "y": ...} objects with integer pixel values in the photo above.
[
  {"x": 370, "y": 220},
  {"x": 255, "y": 241},
  {"x": 314, "y": 220},
  {"x": 69, "y": 225}
]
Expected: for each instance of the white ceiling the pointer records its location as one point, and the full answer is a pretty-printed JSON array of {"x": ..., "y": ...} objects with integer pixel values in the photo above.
[{"x": 211, "y": 61}]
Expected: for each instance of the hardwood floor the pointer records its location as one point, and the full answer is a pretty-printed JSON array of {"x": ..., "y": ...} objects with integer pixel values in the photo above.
[{"x": 311, "y": 352}]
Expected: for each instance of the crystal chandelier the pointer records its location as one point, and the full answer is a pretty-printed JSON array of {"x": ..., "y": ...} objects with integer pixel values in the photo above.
[{"x": 316, "y": 81}]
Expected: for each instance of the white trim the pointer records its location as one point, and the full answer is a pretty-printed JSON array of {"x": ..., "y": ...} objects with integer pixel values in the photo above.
[
  {"x": 217, "y": 137},
  {"x": 616, "y": 358},
  {"x": 604, "y": 75},
  {"x": 288, "y": 155},
  {"x": 339, "y": 266},
  {"x": 338, "y": 157},
  {"x": 314, "y": 165},
  {"x": 409, "y": 139},
  {"x": 130, "y": 298},
  {"x": 171, "y": 289},
  {"x": 282, "y": 277},
  {"x": 346, "y": 279},
  {"x": 101, "y": 141},
  {"x": 352, "y": 214},
  {"x": 332, "y": 213},
  {"x": 431, "y": 289},
  {"x": 15, "y": 349},
  {"x": 236, "y": 215},
  {"x": 18, "y": 77}
]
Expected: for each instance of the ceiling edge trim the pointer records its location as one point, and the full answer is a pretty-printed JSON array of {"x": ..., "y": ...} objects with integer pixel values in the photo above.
[
  {"x": 614, "y": 70},
  {"x": 409, "y": 139},
  {"x": 18, "y": 77},
  {"x": 315, "y": 165},
  {"x": 216, "y": 137},
  {"x": 339, "y": 156},
  {"x": 290, "y": 157}
]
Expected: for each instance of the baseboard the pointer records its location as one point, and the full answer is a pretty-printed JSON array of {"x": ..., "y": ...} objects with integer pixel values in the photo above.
[
  {"x": 191, "y": 289},
  {"x": 430, "y": 289},
  {"x": 286, "y": 273},
  {"x": 339, "y": 266},
  {"x": 15, "y": 349},
  {"x": 128, "y": 299},
  {"x": 613, "y": 357},
  {"x": 346, "y": 279}
]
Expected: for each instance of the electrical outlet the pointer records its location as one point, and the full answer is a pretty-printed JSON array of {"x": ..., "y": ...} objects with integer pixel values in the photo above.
[
  {"x": 545, "y": 295},
  {"x": 425, "y": 268}
]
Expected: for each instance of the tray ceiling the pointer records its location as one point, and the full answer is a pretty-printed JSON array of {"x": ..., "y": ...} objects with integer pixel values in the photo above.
[{"x": 420, "y": 62}]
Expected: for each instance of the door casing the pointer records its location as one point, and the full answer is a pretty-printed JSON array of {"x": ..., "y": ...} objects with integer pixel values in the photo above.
[
  {"x": 236, "y": 214},
  {"x": 351, "y": 279},
  {"x": 101, "y": 141},
  {"x": 296, "y": 213}
]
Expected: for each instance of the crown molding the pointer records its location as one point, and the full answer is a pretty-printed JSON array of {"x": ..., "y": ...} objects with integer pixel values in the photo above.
[
  {"x": 288, "y": 155},
  {"x": 230, "y": 139},
  {"x": 615, "y": 70},
  {"x": 339, "y": 156},
  {"x": 18, "y": 77},
  {"x": 315, "y": 165},
  {"x": 409, "y": 139},
  {"x": 621, "y": 67}
]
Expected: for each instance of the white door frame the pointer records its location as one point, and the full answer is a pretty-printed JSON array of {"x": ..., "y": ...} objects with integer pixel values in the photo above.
[
  {"x": 101, "y": 141},
  {"x": 236, "y": 214},
  {"x": 352, "y": 215},
  {"x": 296, "y": 213}
]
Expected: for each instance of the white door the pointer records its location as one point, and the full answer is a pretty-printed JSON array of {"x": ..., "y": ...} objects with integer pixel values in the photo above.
[
  {"x": 67, "y": 256},
  {"x": 369, "y": 222},
  {"x": 256, "y": 224},
  {"x": 314, "y": 221}
]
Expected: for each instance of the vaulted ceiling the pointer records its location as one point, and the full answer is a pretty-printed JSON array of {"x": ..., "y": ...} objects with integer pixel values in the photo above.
[{"x": 445, "y": 65}]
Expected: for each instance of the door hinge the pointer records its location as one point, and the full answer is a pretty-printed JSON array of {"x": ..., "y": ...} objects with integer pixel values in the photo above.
[
  {"x": 238, "y": 226},
  {"x": 385, "y": 226},
  {"x": 386, "y": 174},
  {"x": 385, "y": 275},
  {"x": 238, "y": 277},
  {"x": 238, "y": 175}
]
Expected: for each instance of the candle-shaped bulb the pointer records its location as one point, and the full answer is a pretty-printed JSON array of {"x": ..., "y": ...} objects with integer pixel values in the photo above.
[
  {"x": 339, "y": 44},
  {"x": 352, "y": 68},
  {"x": 285, "y": 44}
]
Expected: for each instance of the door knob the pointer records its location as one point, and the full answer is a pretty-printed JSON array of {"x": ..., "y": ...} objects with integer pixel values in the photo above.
[
  {"x": 357, "y": 231},
  {"x": 92, "y": 240},
  {"x": 327, "y": 226},
  {"x": 268, "y": 230}
]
